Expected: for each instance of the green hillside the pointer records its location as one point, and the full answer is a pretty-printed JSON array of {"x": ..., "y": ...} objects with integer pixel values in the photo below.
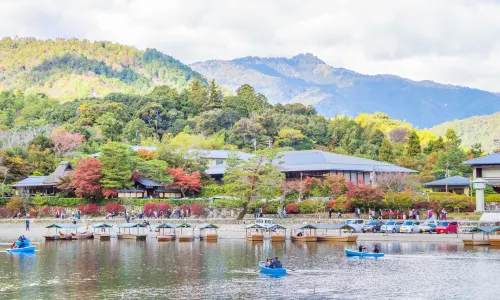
[
  {"x": 478, "y": 129},
  {"x": 67, "y": 69}
]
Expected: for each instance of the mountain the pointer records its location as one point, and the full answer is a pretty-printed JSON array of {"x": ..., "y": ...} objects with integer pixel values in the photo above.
[
  {"x": 70, "y": 68},
  {"x": 478, "y": 129},
  {"x": 309, "y": 80}
]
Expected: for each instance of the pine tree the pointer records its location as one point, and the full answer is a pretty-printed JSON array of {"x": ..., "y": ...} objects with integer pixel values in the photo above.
[
  {"x": 438, "y": 144},
  {"x": 414, "y": 147},
  {"x": 385, "y": 151},
  {"x": 215, "y": 97}
]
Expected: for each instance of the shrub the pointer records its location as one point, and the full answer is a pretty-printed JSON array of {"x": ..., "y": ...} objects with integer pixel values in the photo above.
[
  {"x": 34, "y": 212},
  {"x": 113, "y": 207},
  {"x": 14, "y": 204},
  {"x": 183, "y": 207},
  {"x": 197, "y": 209},
  {"x": 38, "y": 200},
  {"x": 292, "y": 208},
  {"x": 81, "y": 208},
  {"x": 92, "y": 209},
  {"x": 492, "y": 198},
  {"x": 46, "y": 211},
  {"x": 164, "y": 207},
  {"x": 223, "y": 203},
  {"x": 5, "y": 212},
  {"x": 213, "y": 190},
  {"x": 421, "y": 205},
  {"x": 331, "y": 204},
  {"x": 151, "y": 206},
  {"x": 399, "y": 201},
  {"x": 271, "y": 207},
  {"x": 310, "y": 206},
  {"x": 65, "y": 202}
]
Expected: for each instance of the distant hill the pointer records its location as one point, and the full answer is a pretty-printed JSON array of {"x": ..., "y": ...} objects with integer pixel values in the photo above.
[
  {"x": 70, "y": 68},
  {"x": 478, "y": 129},
  {"x": 307, "y": 79}
]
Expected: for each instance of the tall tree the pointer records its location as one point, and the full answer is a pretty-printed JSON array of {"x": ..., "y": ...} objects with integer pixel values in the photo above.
[
  {"x": 336, "y": 185},
  {"x": 186, "y": 183},
  {"x": 256, "y": 177},
  {"x": 116, "y": 159},
  {"x": 110, "y": 126},
  {"x": 215, "y": 97},
  {"x": 198, "y": 96},
  {"x": 136, "y": 130},
  {"x": 65, "y": 142},
  {"x": 414, "y": 147},
  {"x": 385, "y": 151},
  {"x": 87, "y": 177}
]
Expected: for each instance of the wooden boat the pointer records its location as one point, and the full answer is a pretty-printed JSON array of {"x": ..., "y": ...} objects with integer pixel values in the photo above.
[
  {"x": 325, "y": 237},
  {"x": 102, "y": 231},
  {"x": 271, "y": 271},
  {"x": 363, "y": 254},
  {"x": 62, "y": 232},
  {"x": 131, "y": 235},
  {"x": 275, "y": 231},
  {"x": 84, "y": 235},
  {"x": 162, "y": 236},
  {"x": 305, "y": 235},
  {"x": 21, "y": 250},
  {"x": 183, "y": 236},
  {"x": 484, "y": 242},
  {"x": 208, "y": 232},
  {"x": 257, "y": 235}
]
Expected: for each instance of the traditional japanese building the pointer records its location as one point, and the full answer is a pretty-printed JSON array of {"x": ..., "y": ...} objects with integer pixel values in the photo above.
[
  {"x": 43, "y": 185},
  {"x": 455, "y": 184},
  {"x": 487, "y": 168}
]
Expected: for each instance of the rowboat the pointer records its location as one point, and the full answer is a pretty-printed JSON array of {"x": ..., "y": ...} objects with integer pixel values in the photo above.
[
  {"x": 183, "y": 237},
  {"x": 208, "y": 232},
  {"x": 271, "y": 271},
  {"x": 303, "y": 235},
  {"x": 20, "y": 250},
  {"x": 136, "y": 235},
  {"x": 483, "y": 242},
  {"x": 102, "y": 231},
  {"x": 277, "y": 232},
  {"x": 363, "y": 254},
  {"x": 70, "y": 230},
  {"x": 325, "y": 237},
  {"x": 165, "y": 237},
  {"x": 257, "y": 235}
]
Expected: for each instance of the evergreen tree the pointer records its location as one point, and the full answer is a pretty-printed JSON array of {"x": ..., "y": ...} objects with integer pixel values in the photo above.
[
  {"x": 198, "y": 96},
  {"x": 385, "y": 151},
  {"x": 215, "y": 97},
  {"x": 116, "y": 159},
  {"x": 414, "y": 147},
  {"x": 452, "y": 138},
  {"x": 438, "y": 144}
]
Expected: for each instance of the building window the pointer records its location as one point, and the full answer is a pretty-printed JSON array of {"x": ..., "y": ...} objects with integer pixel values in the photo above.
[
  {"x": 479, "y": 172},
  {"x": 219, "y": 162}
]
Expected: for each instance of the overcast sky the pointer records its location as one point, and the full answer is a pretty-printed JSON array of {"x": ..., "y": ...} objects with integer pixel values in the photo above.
[{"x": 453, "y": 42}]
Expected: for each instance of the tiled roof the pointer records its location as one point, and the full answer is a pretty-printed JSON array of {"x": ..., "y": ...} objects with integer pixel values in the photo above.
[
  {"x": 32, "y": 181},
  {"x": 492, "y": 159},
  {"x": 148, "y": 182},
  {"x": 451, "y": 181},
  {"x": 316, "y": 160}
]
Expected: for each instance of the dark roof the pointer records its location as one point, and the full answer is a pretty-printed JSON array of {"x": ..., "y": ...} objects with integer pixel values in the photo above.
[
  {"x": 486, "y": 229},
  {"x": 149, "y": 182},
  {"x": 63, "y": 226},
  {"x": 451, "y": 181},
  {"x": 207, "y": 226},
  {"x": 60, "y": 171},
  {"x": 492, "y": 159},
  {"x": 130, "y": 191},
  {"x": 316, "y": 160},
  {"x": 31, "y": 181}
]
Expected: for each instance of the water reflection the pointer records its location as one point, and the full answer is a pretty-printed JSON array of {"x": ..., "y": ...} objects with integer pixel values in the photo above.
[{"x": 228, "y": 269}]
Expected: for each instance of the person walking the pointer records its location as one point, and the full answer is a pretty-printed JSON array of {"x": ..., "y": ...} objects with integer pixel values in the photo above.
[
  {"x": 27, "y": 225},
  {"x": 330, "y": 211},
  {"x": 339, "y": 213},
  {"x": 284, "y": 211},
  {"x": 437, "y": 215},
  {"x": 78, "y": 214},
  {"x": 260, "y": 213},
  {"x": 443, "y": 214}
]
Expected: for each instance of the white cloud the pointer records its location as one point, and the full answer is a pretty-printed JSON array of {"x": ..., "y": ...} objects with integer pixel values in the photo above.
[{"x": 445, "y": 41}]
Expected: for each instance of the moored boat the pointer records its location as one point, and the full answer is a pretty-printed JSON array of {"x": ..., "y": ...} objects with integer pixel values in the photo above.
[
  {"x": 162, "y": 236},
  {"x": 486, "y": 231},
  {"x": 184, "y": 235},
  {"x": 208, "y": 232},
  {"x": 363, "y": 254},
  {"x": 305, "y": 233},
  {"x": 84, "y": 235},
  {"x": 271, "y": 271},
  {"x": 257, "y": 235},
  {"x": 277, "y": 232},
  {"x": 62, "y": 232},
  {"x": 134, "y": 232},
  {"x": 102, "y": 231},
  {"x": 324, "y": 236}
]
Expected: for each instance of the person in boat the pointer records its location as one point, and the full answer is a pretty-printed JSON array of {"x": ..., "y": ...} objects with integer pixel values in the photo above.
[
  {"x": 376, "y": 249},
  {"x": 267, "y": 263},
  {"x": 361, "y": 248},
  {"x": 277, "y": 263},
  {"x": 299, "y": 234}
]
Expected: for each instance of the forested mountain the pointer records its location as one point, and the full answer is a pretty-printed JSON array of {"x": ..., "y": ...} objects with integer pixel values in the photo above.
[
  {"x": 333, "y": 91},
  {"x": 67, "y": 69},
  {"x": 478, "y": 129}
]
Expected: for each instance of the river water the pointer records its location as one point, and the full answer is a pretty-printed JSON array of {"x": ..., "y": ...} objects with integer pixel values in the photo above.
[{"x": 227, "y": 269}]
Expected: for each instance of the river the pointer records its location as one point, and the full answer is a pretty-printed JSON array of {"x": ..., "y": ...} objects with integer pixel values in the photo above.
[{"x": 227, "y": 269}]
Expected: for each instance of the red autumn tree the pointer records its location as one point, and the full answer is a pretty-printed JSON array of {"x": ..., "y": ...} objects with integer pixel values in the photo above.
[
  {"x": 336, "y": 185},
  {"x": 86, "y": 179},
  {"x": 364, "y": 195},
  {"x": 65, "y": 142},
  {"x": 184, "y": 182},
  {"x": 136, "y": 175}
]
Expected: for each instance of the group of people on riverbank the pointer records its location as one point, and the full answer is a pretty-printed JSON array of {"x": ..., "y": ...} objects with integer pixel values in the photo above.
[
  {"x": 259, "y": 213},
  {"x": 273, "y": 263},
  {"x": 440, "y": 215}
]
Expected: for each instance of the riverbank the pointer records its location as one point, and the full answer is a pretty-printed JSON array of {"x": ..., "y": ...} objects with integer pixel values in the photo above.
[{"x": 10, "y": 231}]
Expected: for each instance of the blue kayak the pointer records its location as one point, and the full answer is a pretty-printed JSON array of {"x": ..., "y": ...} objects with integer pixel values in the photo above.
[
  {"x": 271, "y": 271},
  {"x": 19, "y": 250},
  {"x": 363, "y": 254}
]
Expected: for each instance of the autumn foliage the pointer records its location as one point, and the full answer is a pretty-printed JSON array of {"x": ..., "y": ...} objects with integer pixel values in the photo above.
[
  {"x": 156, "y": 206},
  {"x": 197, "y": 209},
  {"x": 86, "y": 179},
  {"x": 113, "y": 207},
  {"x": 65, "y": 142},
  {"x": 292, "y": 208},
  {"x": 186, "y": 183}
]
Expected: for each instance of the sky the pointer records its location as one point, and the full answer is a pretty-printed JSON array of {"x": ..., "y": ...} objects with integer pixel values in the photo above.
[{"x": 451, "y": 42}]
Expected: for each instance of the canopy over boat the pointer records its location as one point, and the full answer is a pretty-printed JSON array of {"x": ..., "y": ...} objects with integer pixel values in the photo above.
[
  {"x": 64, "y": 226},
  {"x": 184, "y": 225},
  {"x": 208, "y": 226},
  {"x": 131, "y": 225},
  {"x": 257, "y": 226},
  {"x": 333, "y": 226},
  {"x": 165, "y": 225},
  {"x": 306, "y": 226},
  {"x": 102, "y": 225},
  {"x": 486, "y": 229},
  {"x": 276, "y": 226}
]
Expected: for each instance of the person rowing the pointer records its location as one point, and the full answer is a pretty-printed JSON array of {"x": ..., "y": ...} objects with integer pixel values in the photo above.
[
  {"x": 376, "y": 249},
  {"x": 361, "y": 248}
]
